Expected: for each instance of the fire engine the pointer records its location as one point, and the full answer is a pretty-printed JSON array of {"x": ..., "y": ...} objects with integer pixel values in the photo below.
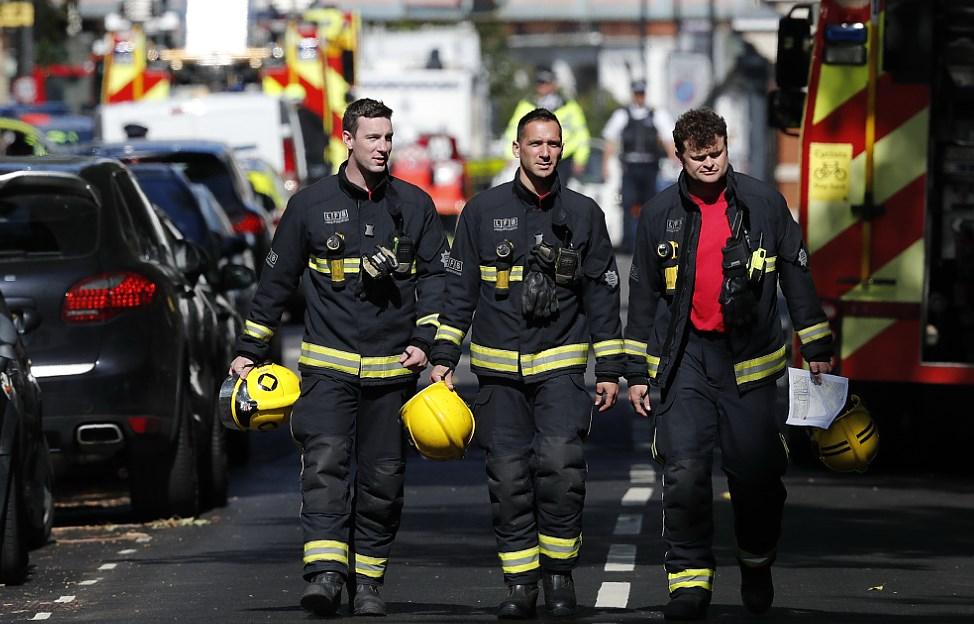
[{"x": 883, "y": 94}]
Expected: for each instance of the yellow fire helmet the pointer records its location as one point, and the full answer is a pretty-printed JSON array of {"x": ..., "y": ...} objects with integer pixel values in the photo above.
[
  {"x": 439, "y": 422},
  {"x": 851, "y": 442},
  {"x": 262, "y": 401}
]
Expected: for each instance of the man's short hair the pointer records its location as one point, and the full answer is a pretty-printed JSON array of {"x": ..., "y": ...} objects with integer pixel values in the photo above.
[
  {"x": 698, "y": 127},
  {"x": 364, "y": 107},
  {"x": 538, "y": 114}
]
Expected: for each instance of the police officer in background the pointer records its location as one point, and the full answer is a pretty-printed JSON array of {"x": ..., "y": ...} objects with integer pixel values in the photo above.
[
  {"x": 532, "y": 270},
  {"x": 638, "y": 134},
  {"x": 371, "y": 249},
  {"x": 704, "y": 326},
  {"x": 574, "y": 127}
]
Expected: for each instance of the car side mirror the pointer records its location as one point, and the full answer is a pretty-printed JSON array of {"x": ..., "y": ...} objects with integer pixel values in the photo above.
[
  {"x": 190, "y": 259},
  {"x": 236, "y": 277},
  {"x": 786, "y": 108}
]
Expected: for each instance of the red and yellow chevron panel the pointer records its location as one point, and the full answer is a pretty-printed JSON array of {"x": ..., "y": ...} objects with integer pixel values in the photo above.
[
  {"x": 126, "y": 76},
  {"x": 864, "y": 134}
]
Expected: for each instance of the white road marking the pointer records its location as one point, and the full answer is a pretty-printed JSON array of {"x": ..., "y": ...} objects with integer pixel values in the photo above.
[
  {"x": 613, "y": 595},
  {"x": 143, "y": 539},
  {"x": 637, "y": 496},
  {"x": 107, "y": 566},
  {"x": 628, "y": 524},
  {"x": 127, "y": 551},
  {"x": 89, "y": 581},
  {"x": 640, "y": 474},
  {"x": 622, "y": 558},
  {"x": 65, "y": 599},
  {"x": 41, "y": 616}
]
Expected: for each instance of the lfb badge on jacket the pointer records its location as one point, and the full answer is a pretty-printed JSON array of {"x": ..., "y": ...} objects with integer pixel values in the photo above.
[
  {"x": 507, "y": 224},
  {"x": 336, "y": 216},
  {"x": 674, "y": 225}
]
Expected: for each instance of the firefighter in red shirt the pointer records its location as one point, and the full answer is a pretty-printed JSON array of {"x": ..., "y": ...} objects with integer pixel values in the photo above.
[{"x": 704, "y": 327}]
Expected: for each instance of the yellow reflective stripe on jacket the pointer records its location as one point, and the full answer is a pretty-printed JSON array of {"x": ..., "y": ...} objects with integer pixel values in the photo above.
[
  {"x": 769, "y": 263},
  {"x": 609, "y": 347},
  {"x": 258, "y": 331},
  {"x": 652, "y": 365},
  {"x": 493, "y": 359},
  {"x": 635, "y": 347},
  {"x": 383, "y": 367},
  {"x": 370, "y": 566},
  {"x": 553, "y": 359},
  {"x": 814, "y": 332},
  {"x": 429, "y": 319},
  {"x": 450, "y": 334},
  {"x": 703, "y": 577},
  {"x": 322, "y": 265},
  {"x": 489, "y": 273},
  {"x": 761, "y": 367},
  {"x": 323, "y": 357},
  {"x": 520, "y": 560},
  {"x": 559, "y": 547},
  {"x": 325, "y": 550}
]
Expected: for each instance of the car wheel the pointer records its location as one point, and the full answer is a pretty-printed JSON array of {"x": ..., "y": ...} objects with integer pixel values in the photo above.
[
  {"x": 167, "y": 485},
  {"x": 214, "y": 475},
  {"x": 41, "y": 499},
  {"x": 13, "y": 543}
]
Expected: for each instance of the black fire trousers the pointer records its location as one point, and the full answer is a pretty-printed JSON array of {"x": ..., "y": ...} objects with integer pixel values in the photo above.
[
  {"x": 350, "y": 520},
  {"x": 533, "y": 436},
  {"x": 703, "y": 408}
]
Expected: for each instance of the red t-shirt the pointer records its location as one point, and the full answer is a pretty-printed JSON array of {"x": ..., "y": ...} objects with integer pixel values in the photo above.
[{"x": 705, "y": 313}]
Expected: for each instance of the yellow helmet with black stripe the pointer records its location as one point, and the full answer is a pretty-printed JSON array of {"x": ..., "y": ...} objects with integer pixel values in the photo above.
[
  {"x": 851, "y": 442},
  {"x": 262, "y": 401}
]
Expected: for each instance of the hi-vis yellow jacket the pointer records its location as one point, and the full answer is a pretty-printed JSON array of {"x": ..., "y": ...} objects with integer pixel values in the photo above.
[
  {"x": 503, "y": 343},
  {"x": 355, "y": 329},
  {"x": 574, "y": 129},
  {"x": 661, "y": 285}
]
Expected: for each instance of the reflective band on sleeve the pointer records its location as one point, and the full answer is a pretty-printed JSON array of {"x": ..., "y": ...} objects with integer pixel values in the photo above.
[
  {"x": 370, "y": 566},
  {"x": 383, "y": 367},
  {"x": 691, "y": 578},
  {"x": 429, "y": 319},
  {"x": 605, "y": 348},
  {"x": 769, "y": 263},
  {"x": 493, "y": 359},
  {"x": 325, "y": 550},
  {"x": 258, "y": 331},
  {"x": 635, "y": 347},
  {"x": 652, "y": 365},
  {"x": 520, "y": 560},
  {"x": 814, "y": 332},
  {"x": 559, "y": 547},
  {"x": 759, "y": 368},
  {"x": 323, "y": 357},
  {"x": 450, "y": 334},
  {"x": 553, "y": 359},
  {"x": 489, "y": 273},
  {"x": 351, "y": 265}
]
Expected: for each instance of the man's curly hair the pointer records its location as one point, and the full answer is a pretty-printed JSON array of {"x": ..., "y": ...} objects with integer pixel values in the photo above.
[{"x": 698, "y": 127}]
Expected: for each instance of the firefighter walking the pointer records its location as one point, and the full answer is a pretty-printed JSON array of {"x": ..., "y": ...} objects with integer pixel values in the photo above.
[
  {"x": 532, "y": 270},
  {"x": 704, "y": 327},
  {"x": 371, "y": 250}
]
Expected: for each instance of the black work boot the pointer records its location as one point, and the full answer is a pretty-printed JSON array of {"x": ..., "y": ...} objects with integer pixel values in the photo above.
[
  {"x": 368, "y": 601},
  {"x": 520, "y": 602},
  {"x": 689, "y": 603},
  {"x": 757, "y": 588},
  {"x": 323, "y": 594},
  {"x": 559, "y": 594}
]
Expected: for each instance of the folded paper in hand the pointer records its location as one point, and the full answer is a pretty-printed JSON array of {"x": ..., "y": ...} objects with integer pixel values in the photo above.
[{"x": 813, "y": 404}]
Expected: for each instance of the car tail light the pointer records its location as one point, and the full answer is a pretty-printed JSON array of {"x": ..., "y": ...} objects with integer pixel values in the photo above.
[
  {"x": 248, "y": 223},
  {"x": 101, "y": 297}
]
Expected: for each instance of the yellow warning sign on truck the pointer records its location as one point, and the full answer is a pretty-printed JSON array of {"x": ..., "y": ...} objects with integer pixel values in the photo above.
[{"x": 829, "y": 171}]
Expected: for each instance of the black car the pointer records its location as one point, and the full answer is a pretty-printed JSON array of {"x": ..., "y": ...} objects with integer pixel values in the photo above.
[
  {"x": 26, "y": 478},
  {"x": 119, "y": 329},
  {"x": 212, "y": 164}
]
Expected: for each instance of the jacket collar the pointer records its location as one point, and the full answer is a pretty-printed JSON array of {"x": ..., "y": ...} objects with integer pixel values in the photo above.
[
  {"x": 544, "y": 201},
  {"x": 356, "y": 192}
]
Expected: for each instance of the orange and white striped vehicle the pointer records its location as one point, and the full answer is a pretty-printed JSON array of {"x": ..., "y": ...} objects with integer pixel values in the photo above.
[{"x": 887, "y": 184}]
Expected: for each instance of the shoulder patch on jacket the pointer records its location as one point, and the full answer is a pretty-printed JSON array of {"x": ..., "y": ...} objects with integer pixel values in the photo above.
[{"x": 271, "y": 258}]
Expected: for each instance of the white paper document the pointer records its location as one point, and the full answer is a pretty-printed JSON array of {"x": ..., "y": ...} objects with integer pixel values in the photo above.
[{"x": 811, "y": 404}]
